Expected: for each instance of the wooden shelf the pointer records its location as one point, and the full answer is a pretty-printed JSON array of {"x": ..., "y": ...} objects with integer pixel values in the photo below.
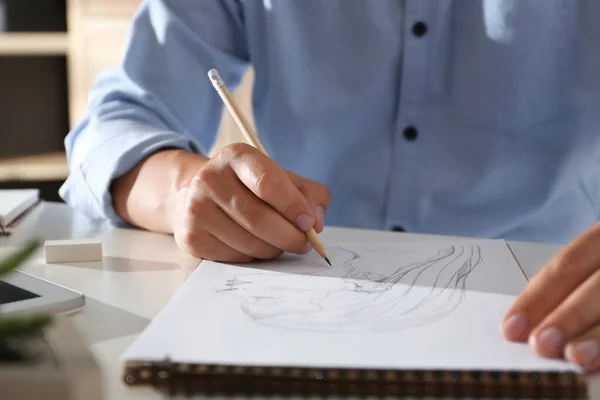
[
  {"x": 43, "y": 167},
  {"x": 33, "y": 44}
]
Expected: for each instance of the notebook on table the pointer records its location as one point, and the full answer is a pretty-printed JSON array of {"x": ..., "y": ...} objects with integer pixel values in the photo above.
[
  {"x": 14, "y": 203},
  {"x": 417, "y": 319}
]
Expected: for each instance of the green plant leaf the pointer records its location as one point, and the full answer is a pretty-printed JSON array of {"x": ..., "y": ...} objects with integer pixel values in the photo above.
[
  {"x": 18, "y": 257},
  {"x": 23, "y": 326}
]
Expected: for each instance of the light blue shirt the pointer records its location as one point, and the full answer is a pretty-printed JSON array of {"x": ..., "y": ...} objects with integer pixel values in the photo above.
[{"x": 501, "y": 99}]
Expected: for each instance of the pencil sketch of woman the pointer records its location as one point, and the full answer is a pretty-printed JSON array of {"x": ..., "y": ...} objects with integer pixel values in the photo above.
[{"x": 369, "y": 293}]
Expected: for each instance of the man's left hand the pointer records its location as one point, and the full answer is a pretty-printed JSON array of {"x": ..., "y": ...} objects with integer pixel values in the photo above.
[{"x": 559, "y": 311}]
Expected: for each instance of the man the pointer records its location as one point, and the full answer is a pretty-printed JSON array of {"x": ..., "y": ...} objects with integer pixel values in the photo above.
[{"x": 474, "y": 118}]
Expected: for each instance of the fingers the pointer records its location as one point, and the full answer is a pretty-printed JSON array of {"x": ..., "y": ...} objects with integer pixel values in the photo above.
[
  {"x": 194, "y": 240},
  {"x": 250, "y": 205},
  {"x": 201, "y": 244},
  {"x": 561, "y": 305},
  {"x": 250, "y": 212},
  {"x": 205, "y": 231},
  {"x": 551, "y": 286},
  {"x": 577, "y": 314},
  {"x": 316, "y": 194},
  {"x": 585, "y": 350},
  {"x": 213, "y": 219},
  {"x": 213, "y": 249},
  {"x": 544, "y": 293},
  {"x": 270, "y": 183}
]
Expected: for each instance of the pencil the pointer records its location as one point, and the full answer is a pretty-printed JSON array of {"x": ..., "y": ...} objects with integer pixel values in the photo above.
[{"x": 252, "y": 138}]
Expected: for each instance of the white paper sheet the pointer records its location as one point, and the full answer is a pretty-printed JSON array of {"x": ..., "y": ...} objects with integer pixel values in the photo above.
[{"x": 426, "y": 305}]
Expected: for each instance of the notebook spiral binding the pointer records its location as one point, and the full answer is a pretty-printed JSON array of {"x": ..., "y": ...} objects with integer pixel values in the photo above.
[{"x": 180, "y": 378}]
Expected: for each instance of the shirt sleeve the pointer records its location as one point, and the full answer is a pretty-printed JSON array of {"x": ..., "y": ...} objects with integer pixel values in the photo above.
[{"x": 158, "y": 97}]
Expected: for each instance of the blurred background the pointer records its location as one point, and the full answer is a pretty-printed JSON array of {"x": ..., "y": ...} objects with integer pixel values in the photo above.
[{"x": 50, "y": 54}]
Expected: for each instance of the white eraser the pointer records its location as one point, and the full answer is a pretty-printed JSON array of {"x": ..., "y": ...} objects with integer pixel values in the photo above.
[{"x": 65, "y": 251}]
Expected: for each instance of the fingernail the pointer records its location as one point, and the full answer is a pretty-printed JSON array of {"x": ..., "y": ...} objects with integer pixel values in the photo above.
[
  {"x": 515, "y": 326},
  {"x": 548, "y": 341},
  {"x": 583, "y": 353},
  {"x": 304, "y": 222},
  {"x": 321, "y": 215},
  {"x": 307, "y": 247}
]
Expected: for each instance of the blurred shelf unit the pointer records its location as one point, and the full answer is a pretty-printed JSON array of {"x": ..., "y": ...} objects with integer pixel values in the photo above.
[
  {"x": 33, "y": 44},
  {"x": 51, "y": 52},
  {"x": 42, "y": 167},
  {"x": 97, "y": 31}
]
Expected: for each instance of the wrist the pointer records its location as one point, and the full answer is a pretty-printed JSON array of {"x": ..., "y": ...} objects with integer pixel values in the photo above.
[
  {"x": 183, "y": 167},
  {"x": 146, "y": 196}
]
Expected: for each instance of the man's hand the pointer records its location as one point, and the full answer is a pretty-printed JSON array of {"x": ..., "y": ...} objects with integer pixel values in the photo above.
[
  {"x": 241, "y": 205},
  {"x": 559, "y": 311}
]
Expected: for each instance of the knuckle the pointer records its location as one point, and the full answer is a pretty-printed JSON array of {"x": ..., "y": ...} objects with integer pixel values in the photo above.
[
  {"x": 189, "y": 238},
  {"x": 207, "y": 177},
  {"x": 295, "y": 243},
  {"x": 267, "y": 185},
  {"x": 293, "y": 209},
  {"x": 192, "y": 207},
  {"x": 263, "y": 251},
  {"x": 575, "y": 318},
  {"x": 195, "y": 204},
  {"x": 255, "y": 249},
  {"x": 255, "y": 219},
  {"x": 272, "y": 253},
  {"x": 326, "y": 193},
  {"x": 317, "y": 192},
  {"x": 235, "y": 150},
  {"x": 239, "y": 204},
  {"x": 219, "y": 159},
  {"x": 193, "y": 241},
  {"x": 254, "y": 216},
  {"x": 563, "y": 264}
]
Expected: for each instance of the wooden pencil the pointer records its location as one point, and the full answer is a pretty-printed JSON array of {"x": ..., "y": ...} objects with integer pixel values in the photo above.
[{"x": 252, "y": 138}]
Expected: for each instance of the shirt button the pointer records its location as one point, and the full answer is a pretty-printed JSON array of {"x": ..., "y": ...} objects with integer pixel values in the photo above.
[
  {"x": 419, "y": 29},
  {"x": 398, "y": 228},
  {"x": 410, "y": 133}
]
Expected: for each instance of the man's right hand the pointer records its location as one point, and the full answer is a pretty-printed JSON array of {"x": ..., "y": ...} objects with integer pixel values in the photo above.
[{"x": 241, "y": 205}]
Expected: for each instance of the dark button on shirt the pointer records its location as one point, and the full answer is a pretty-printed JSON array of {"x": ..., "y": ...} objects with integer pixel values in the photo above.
[
  {"x": 410, "y": 133},
  {"x": 419, "y": 29}
]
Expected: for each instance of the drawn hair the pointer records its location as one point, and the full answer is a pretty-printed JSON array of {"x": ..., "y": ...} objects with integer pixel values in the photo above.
[{"x": 363, "y": 299}]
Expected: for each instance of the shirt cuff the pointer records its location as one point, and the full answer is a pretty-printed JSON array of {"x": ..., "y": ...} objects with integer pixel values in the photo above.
[{"x": 87, "y": 188}]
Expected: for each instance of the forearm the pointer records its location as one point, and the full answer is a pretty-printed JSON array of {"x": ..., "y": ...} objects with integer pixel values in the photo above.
[
  {"x": 155, "y": 99},
  {"x": 146, "y": 195}
]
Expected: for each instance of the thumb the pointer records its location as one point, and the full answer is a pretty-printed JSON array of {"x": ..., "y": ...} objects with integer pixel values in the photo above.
[{"x": 317, "y": 195}]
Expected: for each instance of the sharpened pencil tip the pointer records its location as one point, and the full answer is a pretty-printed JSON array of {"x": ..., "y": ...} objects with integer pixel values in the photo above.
[{"x": 328, "y": 262}]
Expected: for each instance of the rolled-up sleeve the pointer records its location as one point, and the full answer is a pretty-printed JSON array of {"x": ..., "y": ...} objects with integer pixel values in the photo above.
[{"x": 158, "y": 97}]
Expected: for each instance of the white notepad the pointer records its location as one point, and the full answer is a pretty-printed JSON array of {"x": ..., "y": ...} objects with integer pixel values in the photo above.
[
  {"x": 426, "y": 305},
  {"x": 14, "y": 202}
]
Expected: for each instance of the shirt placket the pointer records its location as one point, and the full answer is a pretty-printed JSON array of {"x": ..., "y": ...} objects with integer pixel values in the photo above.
[{"x": 403, "y": 193}]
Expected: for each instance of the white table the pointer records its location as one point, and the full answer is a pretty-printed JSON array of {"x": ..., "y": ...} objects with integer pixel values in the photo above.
[{"x": 142, "y": 270}]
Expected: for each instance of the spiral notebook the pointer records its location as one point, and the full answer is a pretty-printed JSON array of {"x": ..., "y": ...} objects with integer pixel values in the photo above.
[{"x": 416, "y": 319}]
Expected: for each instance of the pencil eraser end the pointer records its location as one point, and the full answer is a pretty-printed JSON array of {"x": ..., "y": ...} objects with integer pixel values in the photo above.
[{"x": 215, "y": 78}]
